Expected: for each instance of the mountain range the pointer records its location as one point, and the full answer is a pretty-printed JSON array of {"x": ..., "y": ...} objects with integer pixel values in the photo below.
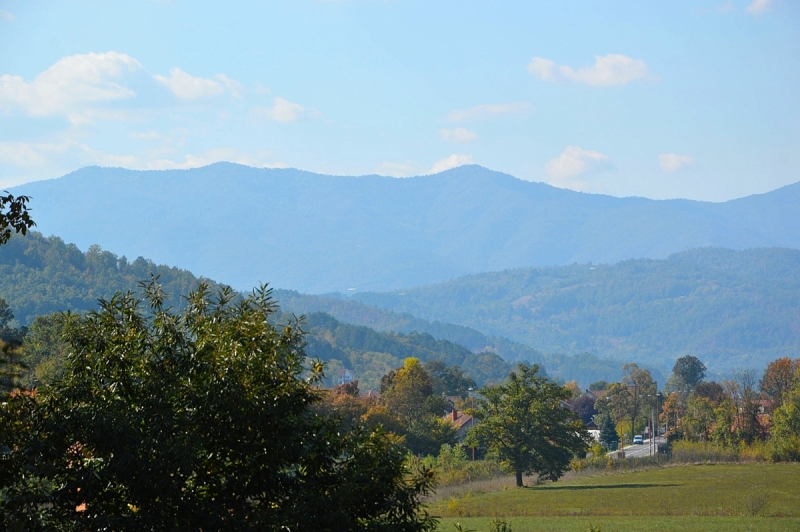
[{"x": 319, "y": 233}]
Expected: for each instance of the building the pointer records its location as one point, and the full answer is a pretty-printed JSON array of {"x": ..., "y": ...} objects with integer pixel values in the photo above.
[
  {"x": 462, "y": 422},
  {"x": 344, "y": 376}
]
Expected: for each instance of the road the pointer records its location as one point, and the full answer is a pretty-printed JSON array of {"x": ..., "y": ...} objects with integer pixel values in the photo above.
[{"x": 640, "y": 451}]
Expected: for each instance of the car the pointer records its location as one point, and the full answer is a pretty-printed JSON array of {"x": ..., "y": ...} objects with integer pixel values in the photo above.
[{"x": 638, "y": 440}]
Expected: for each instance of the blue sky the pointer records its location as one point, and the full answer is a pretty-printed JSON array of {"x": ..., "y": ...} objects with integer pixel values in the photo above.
[{"x": 695, "y": 99}]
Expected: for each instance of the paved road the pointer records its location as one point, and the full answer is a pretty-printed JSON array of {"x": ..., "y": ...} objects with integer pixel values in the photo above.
[{"x": 645, "y": 449}]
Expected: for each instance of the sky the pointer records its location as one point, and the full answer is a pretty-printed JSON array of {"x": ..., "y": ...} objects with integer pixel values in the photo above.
[{"x": 690, "y": 99}]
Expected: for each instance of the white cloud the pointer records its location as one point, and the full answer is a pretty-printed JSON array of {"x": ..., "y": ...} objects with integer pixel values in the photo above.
[
  {"x": 70, "y": 85},
  {"x": 84, "y": 87},
  {"x": 231, "y": 155},
  {"x": 757, "y": 7},
  {"x": 190, "y": 87},
  {"x": 478, "y": 112},
  {"x": 573, "y": 162},
  {"x": 145, "y": 135},
  {"x": 5, "y": 15},
  {"x": 542, "y": 68},
  {"x": 459, "y": 134},
  {"x": 672, "y": 162},
  {"x": 450, "y": 162},
  {"x": 391, "y": 169},
  {"x": 233, "y": 86},
  {"x": 284, "y": 111},
  {"x": 57, "y": 155},
  {"x": 611, "y": 69}
]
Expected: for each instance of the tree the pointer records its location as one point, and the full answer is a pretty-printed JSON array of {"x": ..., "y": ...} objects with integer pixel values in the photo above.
[
  {"x": 690, "y": 371},
  {"x": 598, "y": 386},
  {"x": 642, "y": 390},
  {"x": 524, "y": 424},
  {"x": 616, "y": 402},
  {"x": 574, "y": 389},
  {"x": 786, "y": 426},
  {"x": 409, "y": 397},
  {"x": 711, "y": 391},
  {"x": 449, "y": 380},
  {"x": 778, "y": 379},
  {"x": 195, "y": 421},
  {"x": 608, "y": 431},
  {"x": 584, "y": 407},
  {"x": 14, "y": 215}
]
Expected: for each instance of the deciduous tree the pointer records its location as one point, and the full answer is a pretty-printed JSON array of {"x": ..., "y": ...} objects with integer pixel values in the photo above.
[
  {"x": 195, "y": 421},
  {"x": 523, "y": 423}
]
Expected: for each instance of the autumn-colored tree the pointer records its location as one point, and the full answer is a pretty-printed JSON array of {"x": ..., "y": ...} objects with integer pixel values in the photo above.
[
  {"x": 779, "y": 377},
  {"x": 642, "y": 389},
  {"x": 573, "y": 389},
  {"x": 710, "y": 391}
]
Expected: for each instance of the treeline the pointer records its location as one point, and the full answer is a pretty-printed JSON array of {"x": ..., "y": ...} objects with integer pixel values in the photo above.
[
  {"x": 754, "y": 413},
  {"x": 372, "y": 354},
  {"x": 732, "y": 308},
  {"x": 41, "y": 275},
  {"x": 583, "y": 367}
]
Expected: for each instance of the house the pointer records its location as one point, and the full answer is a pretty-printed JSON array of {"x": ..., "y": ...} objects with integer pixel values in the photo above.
[
  {"x": 450, "y": 402},
  {"x": 462, "y": 422},
  {"x": 594, "y": 431},
  {"x": 344, "y": 376}
]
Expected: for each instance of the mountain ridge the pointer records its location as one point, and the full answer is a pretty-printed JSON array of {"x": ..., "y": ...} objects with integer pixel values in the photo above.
[{"x": 316, "y": 233}]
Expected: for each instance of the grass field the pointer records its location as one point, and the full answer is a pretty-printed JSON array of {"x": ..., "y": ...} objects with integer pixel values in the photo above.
[{"x": 753, "y": 496}]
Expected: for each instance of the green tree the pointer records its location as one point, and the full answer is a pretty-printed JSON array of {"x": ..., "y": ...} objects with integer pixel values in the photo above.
[
  {"x": 448, "y": 380},
  {"x": 524, "y": 423},
  {"x": 195, "y": 421},
  {"x": 14, "y": 215},
  {"x": 690, "y": 371},
  {"x": 642, "y": 391},
  {"x": 608, "y": 430},
  {"x": 786, "y": 425}
]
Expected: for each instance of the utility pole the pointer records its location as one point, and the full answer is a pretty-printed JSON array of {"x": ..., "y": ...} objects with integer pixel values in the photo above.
[{"x": 472, "y": 420}]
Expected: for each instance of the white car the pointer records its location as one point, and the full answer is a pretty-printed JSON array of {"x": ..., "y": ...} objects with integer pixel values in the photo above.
[{"x": 638, "y": 440}]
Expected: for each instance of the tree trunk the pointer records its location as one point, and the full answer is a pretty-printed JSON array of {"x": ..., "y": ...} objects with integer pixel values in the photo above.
[{"x": 519, "y": 479}]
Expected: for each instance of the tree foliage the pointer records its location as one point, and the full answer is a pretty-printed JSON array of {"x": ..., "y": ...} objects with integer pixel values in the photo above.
[
  {"x": 524, "y": 423},
  {"x": 778, "y": 379},
  {"x": 690, "y": 370},
  {"x": 14, "y": 214},
  {"x": 195, "y": 421}
]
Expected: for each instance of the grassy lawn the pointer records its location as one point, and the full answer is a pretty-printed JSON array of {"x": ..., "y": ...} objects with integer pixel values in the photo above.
[
  {"x": 614, "y": 524},
  {"x": 691, "y": 497}
]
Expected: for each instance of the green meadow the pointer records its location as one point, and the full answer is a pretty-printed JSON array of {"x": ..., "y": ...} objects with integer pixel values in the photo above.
[{"x": 754, "y": 496}]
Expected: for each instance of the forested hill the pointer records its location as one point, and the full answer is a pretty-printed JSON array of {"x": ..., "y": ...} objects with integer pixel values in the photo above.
[
  {"x": 583, "y": 367},
  {"x": 372, "y": 354},
  {"x": 41, "y": 275},
  {"x": 318, "y": 233},
  {"x": 733, "y": 309}
]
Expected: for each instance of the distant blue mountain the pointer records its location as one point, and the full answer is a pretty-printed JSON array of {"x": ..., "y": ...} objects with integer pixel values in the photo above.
[{"x": 318, "y": 233}]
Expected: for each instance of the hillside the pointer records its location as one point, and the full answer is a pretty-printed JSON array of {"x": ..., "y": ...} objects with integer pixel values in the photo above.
[
  {"x": 41, "y": 275},
  {"x": 583, "y": 367},
  {"x": 372, "y": 354},
  {"x": 733, "y": 309},
  {"x": 316, "y": 233}
]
